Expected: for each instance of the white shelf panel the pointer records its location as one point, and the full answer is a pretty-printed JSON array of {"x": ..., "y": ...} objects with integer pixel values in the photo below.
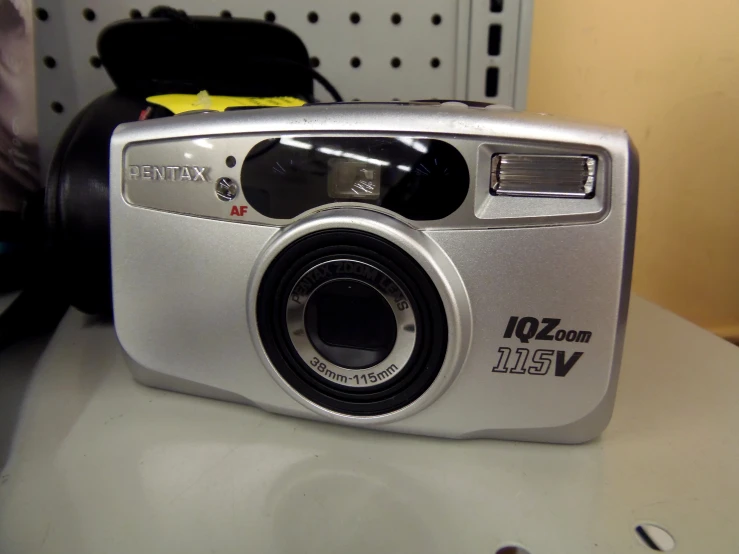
[{"x": 102, "y": 464}]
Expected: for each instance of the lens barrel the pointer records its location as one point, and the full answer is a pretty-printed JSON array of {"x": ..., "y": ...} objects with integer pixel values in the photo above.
[{"x": 352, "y": 322}]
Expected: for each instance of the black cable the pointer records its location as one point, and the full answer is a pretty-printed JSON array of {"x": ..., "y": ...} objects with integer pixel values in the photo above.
[
  {"x": 305, "y": 68},
  {"x": 327, "y": 85}
]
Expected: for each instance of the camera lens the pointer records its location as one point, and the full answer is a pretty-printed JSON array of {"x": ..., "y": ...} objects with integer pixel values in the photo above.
[
  {"x": 350, "y": 324},
  {"x": 351, "y": 321}
]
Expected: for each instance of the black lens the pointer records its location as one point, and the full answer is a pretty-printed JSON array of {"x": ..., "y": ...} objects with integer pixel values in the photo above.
[
  {"x": 350, "y": 324},
  {"x": 342, "y": 324}
]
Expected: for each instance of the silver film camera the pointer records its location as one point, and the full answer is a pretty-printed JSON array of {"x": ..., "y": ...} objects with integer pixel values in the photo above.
[{"x": 434, "y": 269}]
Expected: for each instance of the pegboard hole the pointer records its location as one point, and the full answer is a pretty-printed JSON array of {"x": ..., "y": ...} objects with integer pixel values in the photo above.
[
  {"x": 491, "y": 82},
  {"x": 49, "y": 62},
  {"x": 226, "y": 14},
  {"x": 42, "y": 14},
  {"x": 396, "y": 19},
  {"x": 496, "y": 6},
  {"x": 494, "y": 36},
  {"x": 88, "y": 14},
  {"x": 395, "y": 62},
  {"x": 313, "y": 17},
  {"x": 135, "y": 14},
  {"x": 355, "y": 18},
  {"x": 435, "y": 62},
  {"x": 270, "y": 16},
  {"x": 355, "y": 62},
  {"x": 95, "y": 62},
  {"x": 56, "y": 107},
  {"x": 315, "y": 62},
  {"x": 512, "y": 550},
  {"x": 655, "y": 537},
  {"x": 436, "y": 19}
]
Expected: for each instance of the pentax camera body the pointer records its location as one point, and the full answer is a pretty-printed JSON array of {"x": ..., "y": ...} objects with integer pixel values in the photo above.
[{"x": 433, "y": 269}]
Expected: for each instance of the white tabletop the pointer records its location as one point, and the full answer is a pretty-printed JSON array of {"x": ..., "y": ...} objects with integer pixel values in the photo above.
[{"x": 102, "y": 464}]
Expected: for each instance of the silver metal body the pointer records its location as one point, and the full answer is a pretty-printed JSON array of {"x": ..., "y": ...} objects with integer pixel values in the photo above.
[{"x": 186, "y": 268}]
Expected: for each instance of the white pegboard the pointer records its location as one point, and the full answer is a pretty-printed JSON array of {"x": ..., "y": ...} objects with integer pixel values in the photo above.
[{"x": 454, "y": 32}]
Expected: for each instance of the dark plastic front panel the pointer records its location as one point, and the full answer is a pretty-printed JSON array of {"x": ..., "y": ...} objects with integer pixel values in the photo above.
[{"x": 420, "y": 179}]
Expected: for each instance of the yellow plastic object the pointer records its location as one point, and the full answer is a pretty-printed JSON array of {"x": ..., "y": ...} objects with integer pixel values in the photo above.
[{"x": 179, "y": 103}]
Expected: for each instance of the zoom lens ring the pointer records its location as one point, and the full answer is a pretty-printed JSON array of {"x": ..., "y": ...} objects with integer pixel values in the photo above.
[
  {"x": 431, "y": 333},
  {"x": 351, "y": 270}
]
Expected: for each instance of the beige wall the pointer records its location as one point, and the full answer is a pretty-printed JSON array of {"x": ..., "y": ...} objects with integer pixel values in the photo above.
[{"x": 667, "y": 71}]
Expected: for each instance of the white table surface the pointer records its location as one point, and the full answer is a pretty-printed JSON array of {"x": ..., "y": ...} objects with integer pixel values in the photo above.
[{"x": 101, "y": 464}]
